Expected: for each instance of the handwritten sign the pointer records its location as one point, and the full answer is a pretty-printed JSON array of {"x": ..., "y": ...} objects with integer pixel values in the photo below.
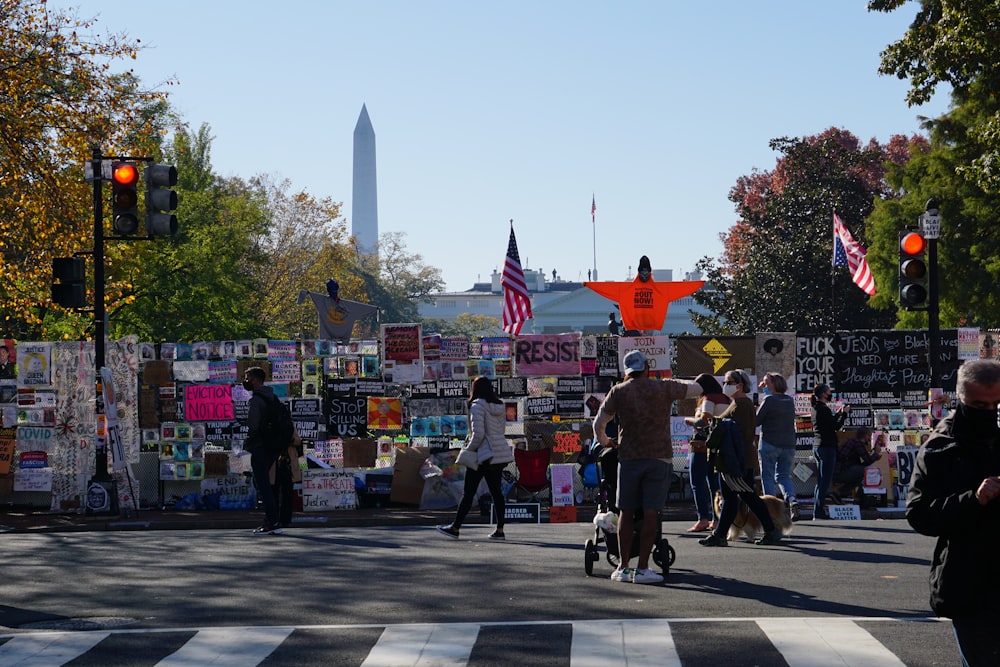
[
  {"x": 328, "y": 489},
  {"x": 547, "y": 354},
  {"x": 208, "y": 402}
]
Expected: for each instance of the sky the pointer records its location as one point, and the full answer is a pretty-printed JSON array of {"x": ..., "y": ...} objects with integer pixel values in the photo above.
[{"x": 486, "y": 112}]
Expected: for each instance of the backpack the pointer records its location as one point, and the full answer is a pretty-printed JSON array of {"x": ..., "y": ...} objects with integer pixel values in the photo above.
[
  {"x": 725, "y": 447},
  {"x": 278, "y": 431}
]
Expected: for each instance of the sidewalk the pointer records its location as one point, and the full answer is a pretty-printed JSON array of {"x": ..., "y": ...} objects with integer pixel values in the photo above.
[{"x": 13, "y": 520}]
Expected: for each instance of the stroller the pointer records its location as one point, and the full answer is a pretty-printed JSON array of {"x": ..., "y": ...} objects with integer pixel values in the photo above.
[{"x": 663, "y": 554}]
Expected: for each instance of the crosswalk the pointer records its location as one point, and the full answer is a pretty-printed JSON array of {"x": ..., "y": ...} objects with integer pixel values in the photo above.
[{"x": 796, "y": 642}]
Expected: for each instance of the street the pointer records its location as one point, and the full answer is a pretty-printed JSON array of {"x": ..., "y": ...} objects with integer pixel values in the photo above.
[{"x": 338, "y": 596}]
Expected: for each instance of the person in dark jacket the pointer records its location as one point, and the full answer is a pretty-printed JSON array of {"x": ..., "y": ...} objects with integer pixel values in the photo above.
[
  {"x": 853, "y": 456},
  {"x": 825, "y": 425},
  {"x": 954, "y": 496},
  {"x": 262, "y": 454}
]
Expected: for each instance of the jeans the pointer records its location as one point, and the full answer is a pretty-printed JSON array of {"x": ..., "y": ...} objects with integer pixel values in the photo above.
[
  {"x": 261, "y": 462},
  {"x": 704, "y": 484},
  {"x": 284, "y": 491},
  {"x": 978, "y": 643},
  {"x": 826, "y": 460},
  {"x": 776, "y": 470}
]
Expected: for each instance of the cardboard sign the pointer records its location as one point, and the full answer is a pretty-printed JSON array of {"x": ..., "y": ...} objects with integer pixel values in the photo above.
[
  {"x": 328, "y": 489},
  {"x": 844, "y": 512}
]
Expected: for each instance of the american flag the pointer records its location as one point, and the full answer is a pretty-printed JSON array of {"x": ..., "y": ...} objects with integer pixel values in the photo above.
[
  {"x": 516, "y": 302},
  {"x": 848, "y": 252},
  {"x": 593, "y": 210}
]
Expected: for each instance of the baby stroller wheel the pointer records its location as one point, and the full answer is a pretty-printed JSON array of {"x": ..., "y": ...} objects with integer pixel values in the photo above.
[
  {"x": 663, "y": 555},
  {"x": 590, "y": 556}
]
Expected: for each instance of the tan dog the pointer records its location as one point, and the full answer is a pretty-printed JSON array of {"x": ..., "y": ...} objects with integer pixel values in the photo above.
[{"x": 748, "y": 524}]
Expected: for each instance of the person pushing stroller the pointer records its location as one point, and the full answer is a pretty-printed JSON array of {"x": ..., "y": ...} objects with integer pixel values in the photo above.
[{"x": 642, "y": 405}]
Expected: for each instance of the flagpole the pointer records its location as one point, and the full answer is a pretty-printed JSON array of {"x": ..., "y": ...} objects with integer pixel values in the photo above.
[
  {"x": 833, "y": 278},
  {"x": 593, "y": 225}
]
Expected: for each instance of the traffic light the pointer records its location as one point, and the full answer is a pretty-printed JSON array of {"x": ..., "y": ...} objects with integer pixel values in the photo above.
[
  {"x": 125, "y": 198},
  {"x": 68, "y": 274},
  {"x": 161, "y": 200},
  {"x": 912, "y": 271}
]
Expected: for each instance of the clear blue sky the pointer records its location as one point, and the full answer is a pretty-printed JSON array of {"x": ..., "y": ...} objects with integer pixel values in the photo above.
[{"x": 487, "y": 111}]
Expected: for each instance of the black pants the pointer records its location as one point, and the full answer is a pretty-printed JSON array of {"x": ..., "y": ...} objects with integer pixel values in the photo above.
[
  {"x": 284, "y": 491},
  {"x": 491, "y": 472},
  {"x": 733, "y": 491}
]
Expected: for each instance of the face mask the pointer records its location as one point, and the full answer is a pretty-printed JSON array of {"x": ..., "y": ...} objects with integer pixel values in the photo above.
[
  {"x": 730, "y": 389},
  {"x": 981, "y": 422},
  {"x": 248, "y": 385},
  {"x": 767, "y": 391}
]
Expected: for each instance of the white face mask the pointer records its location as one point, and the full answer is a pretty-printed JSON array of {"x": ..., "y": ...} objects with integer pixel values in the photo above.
[{"x": 730, "y": 389}]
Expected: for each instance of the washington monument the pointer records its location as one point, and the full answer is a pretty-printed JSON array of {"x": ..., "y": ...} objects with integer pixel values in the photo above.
[{"x": 364, "y": 205}]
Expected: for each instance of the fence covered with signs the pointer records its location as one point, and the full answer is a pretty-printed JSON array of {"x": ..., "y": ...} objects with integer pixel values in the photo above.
[{"x": 182, "y": 403}]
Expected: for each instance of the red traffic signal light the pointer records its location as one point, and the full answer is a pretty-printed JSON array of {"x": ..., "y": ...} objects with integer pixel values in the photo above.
[
  {"x": 912, "y": 243},
  {"x": 125, "y": 198},
  {"x": 912, "y": 271}
]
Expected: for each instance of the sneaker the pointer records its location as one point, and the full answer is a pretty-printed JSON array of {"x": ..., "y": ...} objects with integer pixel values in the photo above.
[
  {"x": 448, "y": 531},
  {"x": 771, "y": 538},
  {"x": 646, "y": 576},
  {"x": 623, "y": 574},
  {"x": 497, "y": 535},
  {"x": 714, "y": 540},
  {"x": 796, "y": 513},
  {"x": 268, "y": 530}
]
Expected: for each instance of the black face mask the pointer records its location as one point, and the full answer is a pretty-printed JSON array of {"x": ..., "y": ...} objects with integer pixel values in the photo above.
[
  {"x": 981, "y": 422},
  {"x": 248, "y": 385}
]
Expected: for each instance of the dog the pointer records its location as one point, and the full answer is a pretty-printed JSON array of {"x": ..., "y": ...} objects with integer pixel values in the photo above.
[{"x": 748, "y": 524}]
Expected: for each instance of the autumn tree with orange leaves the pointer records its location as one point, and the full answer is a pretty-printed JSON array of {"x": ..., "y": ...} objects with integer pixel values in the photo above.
[{"x": 58, "y": 97}]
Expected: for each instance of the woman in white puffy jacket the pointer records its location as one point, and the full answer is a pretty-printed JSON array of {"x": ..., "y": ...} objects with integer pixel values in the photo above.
[{"x": 493, "y": 454}]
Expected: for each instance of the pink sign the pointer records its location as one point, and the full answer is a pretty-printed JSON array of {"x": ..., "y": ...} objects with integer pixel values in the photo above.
[
  {"x": 547, "y": 354},
  {"x": 208, "y": 402}
]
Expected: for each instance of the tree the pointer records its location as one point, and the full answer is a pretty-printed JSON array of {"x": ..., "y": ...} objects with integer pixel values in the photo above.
[
  {"x": 954, "y": 43},
  {"x": 56, "y": 95},
  {"x": 968, "y": 262},
  {"x": 465, "y": 325},
  {"x": 397, "y": 281},
  {"x": 775, "y": 270}
]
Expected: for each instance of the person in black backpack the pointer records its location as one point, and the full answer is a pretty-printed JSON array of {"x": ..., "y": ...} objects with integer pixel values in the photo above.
[{"x": 260, "y": 443}]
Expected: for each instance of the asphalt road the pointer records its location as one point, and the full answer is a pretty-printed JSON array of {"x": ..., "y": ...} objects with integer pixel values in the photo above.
[{"x": 869, "y": 571}]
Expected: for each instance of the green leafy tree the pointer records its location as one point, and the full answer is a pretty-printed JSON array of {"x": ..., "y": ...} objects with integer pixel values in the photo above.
[
  {"x": 968, "y": 264},
  {"x": 775, "y": 273},
  {"x": 953, "y": 43},
  {"x": 465, "y": 325}
]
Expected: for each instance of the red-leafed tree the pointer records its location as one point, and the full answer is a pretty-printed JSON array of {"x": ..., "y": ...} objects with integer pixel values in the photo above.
[{"x": 776, "y": 269}]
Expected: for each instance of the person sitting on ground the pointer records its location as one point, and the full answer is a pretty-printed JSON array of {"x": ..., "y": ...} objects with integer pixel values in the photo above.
[{"x": 853, "y": 456}]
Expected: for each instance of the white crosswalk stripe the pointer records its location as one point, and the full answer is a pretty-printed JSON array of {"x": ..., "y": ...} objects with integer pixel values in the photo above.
[
  {"x": 801, "y": 642},
  {"x": 828, "y": 642},
  {"x": 48, "y": 649},
  {"x": 632, "y": 643},
  {"x": 227, "y": 647},
  {"x": 424, "y": 645}
]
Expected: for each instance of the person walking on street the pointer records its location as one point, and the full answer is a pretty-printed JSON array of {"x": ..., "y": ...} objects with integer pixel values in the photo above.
[
  {"x": 825, "y": 424},
  {"x": 776, "y": 418},
  {"x": 728, "y": 455},
  {"x": 489, "y": 419},
  {"x": 954, "y": 496},
  {"x": 642, "y": 405},
  {"x": 263, "y": 454}
]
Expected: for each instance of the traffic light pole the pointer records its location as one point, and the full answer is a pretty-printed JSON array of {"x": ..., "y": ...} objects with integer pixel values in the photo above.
[
  {"x": 102, "y": 492},
  {"x": 931, "y": 226}
]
